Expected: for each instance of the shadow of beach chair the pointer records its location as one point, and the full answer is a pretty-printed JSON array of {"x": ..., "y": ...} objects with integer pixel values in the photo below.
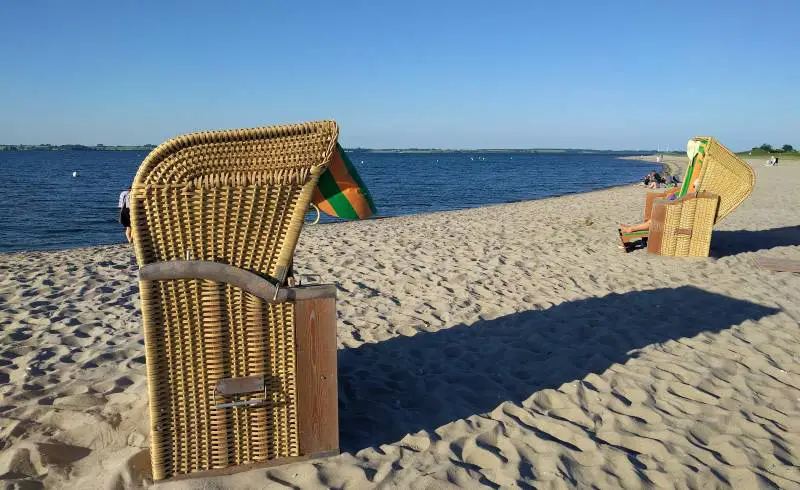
[
  {"x": 681, "y": 219},
  {"x": 241, "y": 369}
]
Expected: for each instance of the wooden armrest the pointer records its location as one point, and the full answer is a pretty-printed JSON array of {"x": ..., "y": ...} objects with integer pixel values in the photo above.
[
  {"x": 241, "y": 278},
  {"x": 652, "y": 197}
]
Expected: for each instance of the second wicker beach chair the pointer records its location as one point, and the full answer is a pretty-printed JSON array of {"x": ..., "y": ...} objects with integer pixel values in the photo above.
[
  {"x": 241, "y": 368},
  {"x": 715, "y": 183}
]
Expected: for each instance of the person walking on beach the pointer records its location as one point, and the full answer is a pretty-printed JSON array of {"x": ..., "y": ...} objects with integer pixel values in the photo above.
[{"x": 125, "y": 212}]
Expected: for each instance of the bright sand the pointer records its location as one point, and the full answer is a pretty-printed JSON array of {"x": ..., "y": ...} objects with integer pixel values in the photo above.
[{"x": 511, "y": 345}]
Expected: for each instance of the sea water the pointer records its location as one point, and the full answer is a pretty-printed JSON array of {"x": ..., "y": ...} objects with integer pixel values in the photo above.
[{"x": 63, "y": 199}]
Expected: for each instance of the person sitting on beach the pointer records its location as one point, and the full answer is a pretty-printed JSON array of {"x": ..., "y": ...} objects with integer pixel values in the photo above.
[
  {"x": 657, "y": 181},
  {"x": 125, "y": 212}
]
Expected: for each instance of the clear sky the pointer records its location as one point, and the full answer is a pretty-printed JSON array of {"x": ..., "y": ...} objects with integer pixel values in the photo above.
[{"x": 427, "y": 73}]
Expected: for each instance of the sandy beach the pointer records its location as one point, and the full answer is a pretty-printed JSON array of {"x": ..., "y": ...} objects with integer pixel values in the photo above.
[
  {"x": 510, "y": 346},
  {"x": 672, "y": 165}
]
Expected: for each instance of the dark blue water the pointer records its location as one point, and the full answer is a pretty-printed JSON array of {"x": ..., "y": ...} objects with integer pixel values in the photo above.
[{"x": 42, "y": 206}]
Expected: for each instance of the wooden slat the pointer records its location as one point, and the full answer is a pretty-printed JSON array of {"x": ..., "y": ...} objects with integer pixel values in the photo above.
[{"x": 317, "y": 403}]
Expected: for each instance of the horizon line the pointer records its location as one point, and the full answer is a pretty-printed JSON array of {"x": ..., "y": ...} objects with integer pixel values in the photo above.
[{"x": 362, "y": 148}]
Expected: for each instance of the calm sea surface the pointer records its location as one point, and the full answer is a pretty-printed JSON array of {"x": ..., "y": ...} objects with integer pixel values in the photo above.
[{"x": 42, "y": 206}]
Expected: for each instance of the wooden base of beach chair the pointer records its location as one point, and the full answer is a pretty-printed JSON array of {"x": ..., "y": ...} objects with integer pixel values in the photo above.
[{"x": 230, "y": 470}]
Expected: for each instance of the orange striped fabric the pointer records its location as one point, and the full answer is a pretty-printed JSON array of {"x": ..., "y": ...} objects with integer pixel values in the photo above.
[{"x": 340, "y": 192}]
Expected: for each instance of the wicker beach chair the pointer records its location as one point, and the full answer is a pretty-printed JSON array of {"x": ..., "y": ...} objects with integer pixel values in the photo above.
[
  {"x": 241, "y": 368},
  {"x": 715, "y": 183}
]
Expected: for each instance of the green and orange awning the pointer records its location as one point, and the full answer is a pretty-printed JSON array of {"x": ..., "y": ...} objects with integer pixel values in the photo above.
[{"x": 340, "y": 192}]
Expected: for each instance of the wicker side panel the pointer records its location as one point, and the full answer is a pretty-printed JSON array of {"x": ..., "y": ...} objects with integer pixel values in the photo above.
[
  {"x": 705, "y": 213},
  {"x": 197, "y": 333},
  {"x": 683, "y": 228},
  {"x": 727, "y": 176},
  {"x": 675, "y": 243}
]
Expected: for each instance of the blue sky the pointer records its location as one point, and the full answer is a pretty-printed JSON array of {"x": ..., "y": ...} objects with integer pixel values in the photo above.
[{"x": 446, "y": 74}]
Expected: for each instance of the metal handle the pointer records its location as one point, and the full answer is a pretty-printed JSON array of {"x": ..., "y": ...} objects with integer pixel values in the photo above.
[
  {"x": 240, "y": 386},
  {"x": 316, "y": 220}
]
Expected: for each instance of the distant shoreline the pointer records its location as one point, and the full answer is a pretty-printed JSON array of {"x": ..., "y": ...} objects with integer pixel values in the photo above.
[
  {"x": 76, "y": 148},
  {"x": 581, "y": 151}
]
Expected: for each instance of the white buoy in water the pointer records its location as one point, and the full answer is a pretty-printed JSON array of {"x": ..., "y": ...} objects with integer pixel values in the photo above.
[{"x": 75, "y": 173}]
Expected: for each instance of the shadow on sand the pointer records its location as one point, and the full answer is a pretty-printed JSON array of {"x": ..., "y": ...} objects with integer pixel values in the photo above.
[
  {"x": 406, "y": 384},
  {"x": 724, "y": 243}
]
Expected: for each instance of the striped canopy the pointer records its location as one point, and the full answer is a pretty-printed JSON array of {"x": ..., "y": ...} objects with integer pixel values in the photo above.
[{"x": 340, "y": 192}]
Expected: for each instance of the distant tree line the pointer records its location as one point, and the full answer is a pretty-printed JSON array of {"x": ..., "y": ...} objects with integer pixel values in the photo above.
[{"x": 769, "y": 149}]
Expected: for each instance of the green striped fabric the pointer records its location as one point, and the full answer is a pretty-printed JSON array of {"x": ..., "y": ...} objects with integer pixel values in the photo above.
[
  {"x": 697, "y": 158},
  {"x": 340, "y": 192}
]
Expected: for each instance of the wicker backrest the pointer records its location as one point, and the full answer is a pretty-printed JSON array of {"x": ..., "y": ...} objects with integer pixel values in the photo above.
[
  {"x": 725, "y": 175},
  {"x": 237, "y": 197}
]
